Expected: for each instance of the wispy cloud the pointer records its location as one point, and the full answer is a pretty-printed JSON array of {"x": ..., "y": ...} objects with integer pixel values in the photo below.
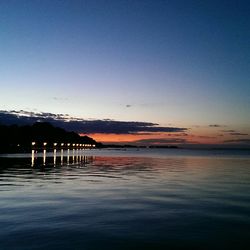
[
  {"x": 205, "y": 137},
  {"x": 238, "y": 134},
  {"x": 234, "y": 132},
  {"x": 161, "y": 141},
  {"x": 56, "y": 98},
  {"x": 178, "y": 134},
  {"x": 238, "y": 141},
  {"x": 216, "y": 126},
  {"x": 80, "y": 125}
]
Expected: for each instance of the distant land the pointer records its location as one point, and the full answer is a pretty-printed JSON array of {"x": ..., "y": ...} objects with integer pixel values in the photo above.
[{"x": 16, "y": 138}]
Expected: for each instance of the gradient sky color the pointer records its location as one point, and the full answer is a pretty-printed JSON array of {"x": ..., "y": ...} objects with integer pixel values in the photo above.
[{"x": 175, "y": 63}]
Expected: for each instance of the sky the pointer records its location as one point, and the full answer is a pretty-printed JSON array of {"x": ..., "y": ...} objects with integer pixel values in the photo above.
[{"x": 168, "y": 64}]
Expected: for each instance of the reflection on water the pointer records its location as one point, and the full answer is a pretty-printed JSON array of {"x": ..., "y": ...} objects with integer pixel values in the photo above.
[
  {"x": 32, "y": 158},
  {"x": 77, "y": 158},
  {"x": 68, "y": 157},
  {"x": 61, "y": 156},
  {"x": 67, "y": 200},
  {"x": 53, "y": 157},
  {"x": 44, "y": 157}
]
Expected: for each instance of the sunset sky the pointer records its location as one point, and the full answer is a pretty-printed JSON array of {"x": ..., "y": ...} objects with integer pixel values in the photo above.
[{"x": 143, "y": 72}]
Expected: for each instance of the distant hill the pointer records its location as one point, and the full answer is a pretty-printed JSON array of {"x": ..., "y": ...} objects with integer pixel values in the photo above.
[{"x": 18, "y": 138}]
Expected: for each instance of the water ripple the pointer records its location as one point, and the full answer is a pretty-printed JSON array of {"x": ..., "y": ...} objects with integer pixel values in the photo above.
[{"x": 123, "y": 202}]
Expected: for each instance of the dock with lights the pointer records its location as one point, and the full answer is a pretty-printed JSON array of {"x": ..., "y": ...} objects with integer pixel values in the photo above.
[
  {"x": 76, "y": 150},
  {"x": 55, "y": 145}
]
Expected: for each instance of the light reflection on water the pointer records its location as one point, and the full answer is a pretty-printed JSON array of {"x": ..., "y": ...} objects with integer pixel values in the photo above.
[
  {"x": 72, "y": 157},
  {"x": 70, "y": 200}
]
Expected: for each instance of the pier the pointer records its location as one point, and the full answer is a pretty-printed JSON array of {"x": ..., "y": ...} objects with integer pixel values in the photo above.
[{"x": 61, "y": 153}]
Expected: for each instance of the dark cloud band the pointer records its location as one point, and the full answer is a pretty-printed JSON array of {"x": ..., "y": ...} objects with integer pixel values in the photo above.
[{"x": 84, "y": 126}]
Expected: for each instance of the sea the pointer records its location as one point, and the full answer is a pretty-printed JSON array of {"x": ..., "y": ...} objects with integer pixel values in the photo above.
[{"x": 125, "y": 199}]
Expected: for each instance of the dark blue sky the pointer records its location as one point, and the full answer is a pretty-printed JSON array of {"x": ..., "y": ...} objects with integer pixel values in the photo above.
[{"x": 178, "y": 62}]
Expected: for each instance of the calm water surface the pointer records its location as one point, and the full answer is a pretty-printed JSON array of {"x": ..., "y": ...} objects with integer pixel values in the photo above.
[{"x": 146, "y": 199}]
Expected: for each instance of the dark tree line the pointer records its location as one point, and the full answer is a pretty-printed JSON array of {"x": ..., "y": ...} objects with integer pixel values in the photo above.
[{"x": 18, "y": 138}]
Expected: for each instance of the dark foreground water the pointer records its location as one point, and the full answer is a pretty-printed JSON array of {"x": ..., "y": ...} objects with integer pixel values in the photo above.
[{"x": 125, "y": 200}]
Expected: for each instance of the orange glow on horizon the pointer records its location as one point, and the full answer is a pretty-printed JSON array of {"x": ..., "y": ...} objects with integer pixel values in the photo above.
[
  {"x": 110, "y": 138},
  {"x": 195, "y": 138}
]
